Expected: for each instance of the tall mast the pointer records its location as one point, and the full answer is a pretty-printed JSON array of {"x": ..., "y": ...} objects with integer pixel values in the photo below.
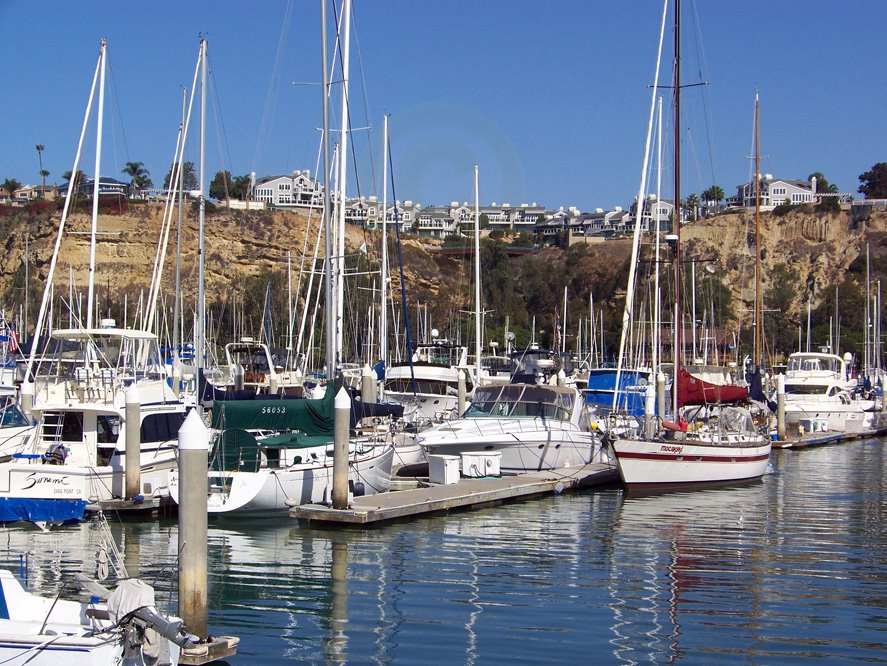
[
  {"x": 340, "y": 199},
  {"x": 200, "y": 342},
  {"x": 90, "y": 298},
  {"x": 478, "y": 340},
  {"x": 328, "y": 245},
  {"x": 383, "y": 322},
  {"x": 177, "y": 305},
  {"x": 678, "y": 320},
  {"x": 758, "y": 296}
]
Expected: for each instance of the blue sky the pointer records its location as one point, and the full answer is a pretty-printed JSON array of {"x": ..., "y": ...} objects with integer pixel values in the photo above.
[{"x": 550, "y": 99}]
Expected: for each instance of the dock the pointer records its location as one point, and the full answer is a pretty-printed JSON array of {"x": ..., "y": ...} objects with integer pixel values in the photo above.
[
  {"x": 826, "y": 438},
  {"x": 219, "y": 647},
  {"x": 143, "y": 507},
  {"x": 466, "y": 493}
]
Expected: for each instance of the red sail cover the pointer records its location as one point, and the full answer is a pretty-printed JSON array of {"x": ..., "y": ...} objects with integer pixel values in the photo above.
[{"x": 695, "y": 391}]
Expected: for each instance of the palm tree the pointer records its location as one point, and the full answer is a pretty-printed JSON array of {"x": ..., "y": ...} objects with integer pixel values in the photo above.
[
  {"x": 693, "y": 205},
  {"x": 40, "y": 148},
  {"x": 11, "y": 185},
  {"x": 713, "y": 193},
  {"x": 74, "y": 180},
  {"x": 144, "y": 182},
  {"x": 137, "y": 173}
]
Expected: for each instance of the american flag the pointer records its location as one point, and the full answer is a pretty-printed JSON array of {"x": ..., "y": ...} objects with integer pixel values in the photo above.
[{"x": 13, "y": 339}]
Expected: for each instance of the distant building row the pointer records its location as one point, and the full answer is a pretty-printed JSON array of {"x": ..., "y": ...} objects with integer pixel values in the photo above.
[{"x": 300, "y": 190}]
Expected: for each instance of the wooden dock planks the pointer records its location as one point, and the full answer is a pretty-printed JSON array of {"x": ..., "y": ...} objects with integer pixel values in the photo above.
[{"x": 466, "y": 493}]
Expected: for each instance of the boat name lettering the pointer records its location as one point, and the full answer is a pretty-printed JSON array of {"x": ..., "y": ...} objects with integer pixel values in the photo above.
[
  {"x": 671, "y": 448},
  {"x": 33, "y": 479},
  {"x": 273, "y": 410}
]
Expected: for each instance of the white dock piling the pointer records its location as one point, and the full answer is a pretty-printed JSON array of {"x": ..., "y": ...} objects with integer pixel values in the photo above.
[
  {"x": 238, "y": 377},
  {"x": 660, "y": 395},
  {"x": 340, "y": 449},
  {"x": 367, "y": 384},
  {"x": 133, "y": 429},
  {"x": 193, "y": 455},
  {"x": 462, "y": 393},
  {"x": 780, "y": 408},
  {"x": 177, "y": 376},
  {"x": 650, "y": 409},
  {"x": 27, "y": 397},
  {"x": 273, "y": 384}
]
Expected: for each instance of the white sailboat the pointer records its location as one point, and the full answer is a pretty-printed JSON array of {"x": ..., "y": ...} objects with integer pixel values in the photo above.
[
  {"x": 82, "y": 383},
  {"x": 710, "y": 444},
  {"x": 270, "y": 455}
]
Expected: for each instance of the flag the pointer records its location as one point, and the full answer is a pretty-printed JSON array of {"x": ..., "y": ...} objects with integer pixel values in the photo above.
[{"x": 13, "y": 340}]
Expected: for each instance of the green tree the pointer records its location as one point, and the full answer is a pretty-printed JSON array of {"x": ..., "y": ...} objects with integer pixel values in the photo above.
[
  {"x": 223, "y": 186},
  {"x": 138, "y": 175},
  {"x": 40, "y": 149},
  {"x": 780, "y": 289},
  {"x": 484, "y": 221},
  {"x": 189, "y": 177},
  {"x": 693, "y": 205},
  {"x": 822, "y": 184},
  {"x": 873, "y": 183},
  {"x": 11, "y": 185},
  {"x": 74, "y": 179},
  {"x": 714, "y": 193}
]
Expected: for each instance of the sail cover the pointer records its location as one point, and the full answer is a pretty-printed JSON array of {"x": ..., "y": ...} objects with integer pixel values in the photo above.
[{"x": 695, "y": 391}]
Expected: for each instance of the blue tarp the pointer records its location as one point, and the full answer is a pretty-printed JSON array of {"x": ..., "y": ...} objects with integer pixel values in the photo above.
[
  {"x": 602, "y": 383},
  {"x": 14, "y": 509}
]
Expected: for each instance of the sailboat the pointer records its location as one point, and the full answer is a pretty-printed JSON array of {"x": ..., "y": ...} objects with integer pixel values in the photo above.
[
  {"x": 84, "y": 385},
  {"x": 706, "y": 444}
]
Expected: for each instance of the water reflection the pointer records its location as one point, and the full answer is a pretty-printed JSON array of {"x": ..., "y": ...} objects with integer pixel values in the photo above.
[
  {"x": 685, "y": 558},
  {"x": 790, "y": 568}
]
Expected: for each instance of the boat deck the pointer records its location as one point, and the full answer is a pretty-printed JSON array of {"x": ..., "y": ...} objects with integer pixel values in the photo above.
[{"x": 466, "y": 493}]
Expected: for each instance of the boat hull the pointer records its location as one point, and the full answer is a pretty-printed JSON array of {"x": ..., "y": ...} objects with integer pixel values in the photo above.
[
  {"x": 271, "y": 491},
  {"x": 685, "y": 463}
]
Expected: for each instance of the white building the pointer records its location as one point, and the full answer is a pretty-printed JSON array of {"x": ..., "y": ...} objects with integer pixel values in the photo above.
[
  {"x": 297, "y": 190},
  {"x": 775, "y": 191}
]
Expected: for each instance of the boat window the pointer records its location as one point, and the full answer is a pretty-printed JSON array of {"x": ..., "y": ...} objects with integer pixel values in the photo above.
[
  {"x": 513, "y": 400},
  {"x": 404, "y": 385},
  {"x": 72, "y": 427},
  {"x": 12, "y": 416},
  {"x": 161, "y": 427},
  {"x": 804, "y": 389},
  {"x": 107, "y": 428}
]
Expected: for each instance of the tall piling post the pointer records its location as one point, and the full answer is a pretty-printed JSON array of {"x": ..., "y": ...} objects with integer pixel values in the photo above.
[
  {"x": 27, "y": 397},
  {"x": 367, "y": 384},
  {"x": 462, "y": 392},
  {"x": 133, "y": 428},
  {"x": 238, "y": 377},
  {"x": 660, "y": 395},
  {"x": 341, "y": 429},
  {"x": 780, "y": 408},
  {"x": 193, "y": 458},
  {"x": 650, "y": 408}
]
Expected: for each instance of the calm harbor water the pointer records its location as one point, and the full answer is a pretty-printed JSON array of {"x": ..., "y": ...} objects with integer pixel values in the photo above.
[{"x": 788, "y": 570}]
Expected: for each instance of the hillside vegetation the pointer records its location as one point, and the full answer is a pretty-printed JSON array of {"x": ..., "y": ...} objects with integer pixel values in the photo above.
[{"x": 806, "y": 255}]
